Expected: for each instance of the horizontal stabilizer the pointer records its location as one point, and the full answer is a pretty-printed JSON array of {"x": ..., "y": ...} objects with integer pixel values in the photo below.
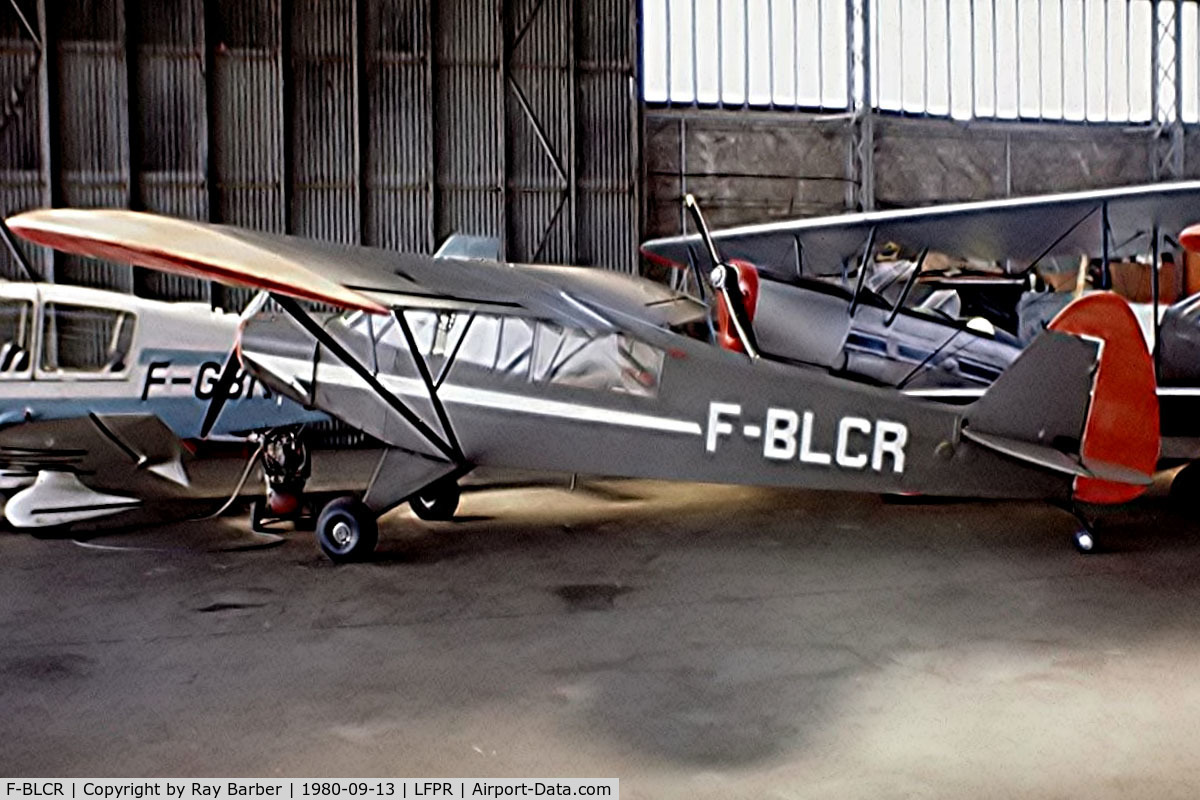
[
  {"x": 60, "y": 498},
  {"x": 1056, "y": 460},
  {"x": 1041, "y": 455}
]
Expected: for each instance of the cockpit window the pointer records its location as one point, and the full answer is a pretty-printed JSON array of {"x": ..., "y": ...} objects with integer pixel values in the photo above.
[
  {"x": 535, "y": 350},
  {"x": 86, "y": 339},
  {"x": 608, "y": 361},
  {"x": 16, "y": 334}
]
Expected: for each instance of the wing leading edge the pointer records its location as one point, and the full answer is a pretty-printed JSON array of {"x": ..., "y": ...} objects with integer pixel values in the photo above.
[
  {"x": 352, "y": 277},
  {"x": 1021, "y": 229}
]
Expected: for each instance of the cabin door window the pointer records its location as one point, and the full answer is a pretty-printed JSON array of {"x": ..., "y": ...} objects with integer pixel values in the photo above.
[
  {"x": 85, "y": 340},
  {"x": 16, "y": 337}
]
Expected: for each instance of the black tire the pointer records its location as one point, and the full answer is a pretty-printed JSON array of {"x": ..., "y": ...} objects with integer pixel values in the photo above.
[
  {"x": 1185, "y": 490},
  {"x": 436, "y": 503},
  {"x": 258, "y": 512},
  {"x": 347, "y": 530}
]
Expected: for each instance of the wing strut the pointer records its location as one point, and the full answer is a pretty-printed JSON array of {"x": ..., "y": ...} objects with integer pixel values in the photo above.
[
  {"x": 908, "y": 284},
  {"x": 868, "y": 251},
  {"x": 294, "y": 310},
  {"x": 430, "y": 388}
]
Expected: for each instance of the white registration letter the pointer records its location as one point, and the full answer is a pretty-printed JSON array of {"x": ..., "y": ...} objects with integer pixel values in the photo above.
[
  {"x": 779, "y": 438},
  {"x": 890, "y": 437},
  {"x": 718, "y": 427},
  {"x": 807, "y": 454},
  {"x": 844, "y": 459}
]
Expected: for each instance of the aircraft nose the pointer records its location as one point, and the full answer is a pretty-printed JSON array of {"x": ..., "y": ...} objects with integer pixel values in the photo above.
[{"x": 1190, "y": 239}]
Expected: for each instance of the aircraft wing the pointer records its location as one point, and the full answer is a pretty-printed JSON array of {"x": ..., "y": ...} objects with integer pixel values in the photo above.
[
  {"x": 364, "y": 278},
  {"x": 1021, "y": 229}
]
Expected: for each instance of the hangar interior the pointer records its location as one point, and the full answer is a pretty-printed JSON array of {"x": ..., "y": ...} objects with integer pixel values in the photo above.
[
  {"x": 697, "y": 641},
  {"x": 398, "y": 123}
]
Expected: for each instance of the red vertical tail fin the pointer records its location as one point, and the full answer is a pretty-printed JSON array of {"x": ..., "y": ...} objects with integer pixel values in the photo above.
[{"x": 1122, "y": 427}]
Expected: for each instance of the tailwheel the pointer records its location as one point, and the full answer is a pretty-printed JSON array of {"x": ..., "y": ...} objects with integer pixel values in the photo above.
[
  {"x": 437, "y": 502},
  {"x": 1085, "y": 541},
  {"x": 347, "y": 530},
  {"x": 1085, "y": 537}
]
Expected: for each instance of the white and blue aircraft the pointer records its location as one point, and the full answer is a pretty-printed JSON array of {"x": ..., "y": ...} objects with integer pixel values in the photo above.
[
  {"x": 111, "y": 404},
  {"x": 105, "y": 403}
]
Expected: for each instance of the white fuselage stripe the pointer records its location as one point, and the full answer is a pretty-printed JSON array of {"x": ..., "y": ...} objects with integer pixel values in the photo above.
[
  {"x": 1163, "y": 391},
  {"x": 484, "y": 398}
]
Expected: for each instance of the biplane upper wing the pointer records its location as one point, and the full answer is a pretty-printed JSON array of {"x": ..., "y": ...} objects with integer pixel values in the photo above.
[
  {"x": 353, "y": 277},
  {"x": 1021, "y": 229}
]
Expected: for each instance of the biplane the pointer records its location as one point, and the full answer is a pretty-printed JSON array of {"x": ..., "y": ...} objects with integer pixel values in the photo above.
[
  {"x": 455, "y": 364},
  {"x": 972, "y": 322}
]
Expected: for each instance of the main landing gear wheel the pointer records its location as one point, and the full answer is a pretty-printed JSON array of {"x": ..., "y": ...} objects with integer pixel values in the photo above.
[
  {"x": 347, "y": 530},
  {"x": 436, "y": 503}
]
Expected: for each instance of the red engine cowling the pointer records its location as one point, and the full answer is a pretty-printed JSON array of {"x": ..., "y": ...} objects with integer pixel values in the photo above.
[{"x": 748, "y": 282}]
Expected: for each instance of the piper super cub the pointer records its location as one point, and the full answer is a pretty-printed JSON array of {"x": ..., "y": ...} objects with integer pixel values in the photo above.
[{"x": 454, "y": 364}]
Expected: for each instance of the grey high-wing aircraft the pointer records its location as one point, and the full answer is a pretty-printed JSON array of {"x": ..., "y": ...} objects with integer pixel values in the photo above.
[{"x": 455, "y": 364}]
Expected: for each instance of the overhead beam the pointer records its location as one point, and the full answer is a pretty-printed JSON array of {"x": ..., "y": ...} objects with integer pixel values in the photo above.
[
  {"x": 362, "y": 132},
  {"x": 49, "y": 145},
  {"x": 287, "y": 104}
]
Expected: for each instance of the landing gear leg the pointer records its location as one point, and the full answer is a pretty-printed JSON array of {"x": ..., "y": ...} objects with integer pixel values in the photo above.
[{"x": 347, "y": 530}]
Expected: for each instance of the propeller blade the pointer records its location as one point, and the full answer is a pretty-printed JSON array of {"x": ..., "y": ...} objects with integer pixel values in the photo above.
[
  {"x": 229, "y": 371},
  {"x": 725, "y": 280},
  {"x": 220, "y": 392}
]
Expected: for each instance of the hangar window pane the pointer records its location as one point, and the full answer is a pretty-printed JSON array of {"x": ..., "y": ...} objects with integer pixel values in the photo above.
[
  {"x": 1075, "y": 60},
  {"x": 1071, "y": 60},
  {"x": 16, "y": 329},
  {"x": 758, "y": 53},
  {"x": 86, "y": 339}
]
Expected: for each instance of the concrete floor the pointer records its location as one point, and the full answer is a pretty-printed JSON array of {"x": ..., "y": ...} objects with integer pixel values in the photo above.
[{"x": 694, "y": 641}]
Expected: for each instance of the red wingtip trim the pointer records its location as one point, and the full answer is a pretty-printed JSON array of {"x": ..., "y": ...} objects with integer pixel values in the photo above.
[
  {"x": 1122, "y": 423},
  {"x": 1190, "y": 239},
  {"x": 41, "y": 227}
]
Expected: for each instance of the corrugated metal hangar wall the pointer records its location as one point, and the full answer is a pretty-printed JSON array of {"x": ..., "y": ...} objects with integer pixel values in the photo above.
[
  {"x": 398, "y": 122},
  {"x": 386, "y": 122}
]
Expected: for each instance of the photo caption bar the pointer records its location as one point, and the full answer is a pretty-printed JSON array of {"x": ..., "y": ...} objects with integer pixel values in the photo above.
[{"x": 303, "y": 789}]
